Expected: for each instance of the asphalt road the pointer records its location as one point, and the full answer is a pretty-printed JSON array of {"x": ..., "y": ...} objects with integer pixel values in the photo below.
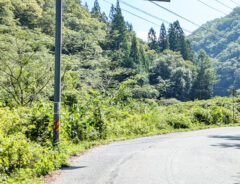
[{"x": 201, "y": 157}]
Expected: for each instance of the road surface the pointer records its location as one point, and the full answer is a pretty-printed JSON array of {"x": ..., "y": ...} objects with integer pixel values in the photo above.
[{"x": 201, "y": 157}]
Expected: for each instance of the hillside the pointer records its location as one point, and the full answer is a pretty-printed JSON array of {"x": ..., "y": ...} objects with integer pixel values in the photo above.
[
  {"x": 114, "y": 85},
  {"x": 222, "y": 44}
]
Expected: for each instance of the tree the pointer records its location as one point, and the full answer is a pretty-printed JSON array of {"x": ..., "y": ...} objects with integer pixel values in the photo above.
[
  {"x": 27, "y": 12},
  {"x": 129, "y": 26},
  {"x": 189, "y": 51},
  {"x": 25, "y": 67},
  {"x": 172, "y": 35},
  {"x": 6, "y": 14},
  {"x": 152, "y": 39},
  {"x": 112, "y": 12},
  {"x": 118, "y": 30},
  {"x": 47, "y": 20},
  {"x": 205, "y": 78},
  {"x": 144, "y": 60},
  {"x": 96, "y": 12},
  {"x": 86, "y": 6},
  {"x": 181, "y": 83},
  {"x": 96, "y": 8},
  {"x": 163, "y": 41},
  {"x": 134, "y": 56}
]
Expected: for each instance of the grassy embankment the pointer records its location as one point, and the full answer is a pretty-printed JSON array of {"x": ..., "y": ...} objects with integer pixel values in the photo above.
[{"x": 26, "y": 152}]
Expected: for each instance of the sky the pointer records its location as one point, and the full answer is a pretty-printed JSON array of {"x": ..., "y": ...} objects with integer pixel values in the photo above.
[{"x": 193, "y": 10}]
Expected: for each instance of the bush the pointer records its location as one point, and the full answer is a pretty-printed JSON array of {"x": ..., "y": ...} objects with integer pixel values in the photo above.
[
  {"x": 201, "y": 115},
  {"x": 15, "y": 153},
  {"x": 178, "y": 121},
  {"x": 147, "y": 92}
]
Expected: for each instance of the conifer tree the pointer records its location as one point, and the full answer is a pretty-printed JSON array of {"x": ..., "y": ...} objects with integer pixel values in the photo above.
[
  {"x": 172, "y": 35},
  {"x": 129, "y": 26},
  {"x": 144, "y": 61},
  {"x": 189, "y": 51},
  {"x": 86, "y": 6},
  {"x": 96, "y": 12},
  {"x": 180, "y": 39},
  {"x": 152, "y": 39},
  {"x": 96, "y": 7},
  {"x": 205, "y": 79},
  {"x": 163, "y": 41},
  {"x": 134, "y": 56},
  {"x": 118, "y": 30},
  {"x": 112, "y": 12}
]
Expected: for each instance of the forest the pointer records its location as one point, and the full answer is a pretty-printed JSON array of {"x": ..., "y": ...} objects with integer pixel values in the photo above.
[
  {"x": 114, "y": 85},
  {"x": 220, "y": 39}
]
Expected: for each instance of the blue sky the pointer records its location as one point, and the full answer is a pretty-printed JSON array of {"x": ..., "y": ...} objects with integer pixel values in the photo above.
[{"x": 191, "y": 9}]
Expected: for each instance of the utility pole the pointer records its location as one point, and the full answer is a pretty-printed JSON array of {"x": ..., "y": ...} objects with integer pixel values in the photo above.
[{"x": 57, "y": 78}]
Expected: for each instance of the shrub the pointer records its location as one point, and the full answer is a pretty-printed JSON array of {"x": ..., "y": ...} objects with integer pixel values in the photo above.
[
  {"x": 15, "y": 152},
  {"x": 178, "y": 121},
  {"x": 201, "y": 115}
]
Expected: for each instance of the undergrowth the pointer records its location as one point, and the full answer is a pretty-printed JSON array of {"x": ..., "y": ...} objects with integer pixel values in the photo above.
[{"x": 26, "y": 152}]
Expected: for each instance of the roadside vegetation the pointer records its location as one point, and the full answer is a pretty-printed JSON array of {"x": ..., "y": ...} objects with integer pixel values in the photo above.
[
  {"x": 114, "y": 85},
  {"x": 26, "y": 151}
]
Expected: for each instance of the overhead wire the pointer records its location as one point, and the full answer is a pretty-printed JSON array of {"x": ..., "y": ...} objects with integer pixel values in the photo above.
[
  {"x": 176, "y": 14},
  {"x": 165, "y": 21},
  {"x": 146, "y": 13},
  {"x": 235, "y": 3},
  {"x": 223, "y": 4},
  {"x": 217, "y": 10},
  {"x": 136, "y": 15}
]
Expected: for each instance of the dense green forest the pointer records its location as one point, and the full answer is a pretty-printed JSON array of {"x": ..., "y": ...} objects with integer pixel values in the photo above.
[
  {"x": 114, "y": 85},
  {"x": 99, "y": 53},
  {"x": 220, "y": 39}
]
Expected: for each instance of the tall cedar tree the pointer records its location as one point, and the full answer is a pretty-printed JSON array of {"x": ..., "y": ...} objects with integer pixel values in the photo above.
[
  {"x": 112, "y": 12},
  {"x": 181, "y": 45},
  {"x": 178, "y": 42},
  {"x": 163, "y": 39},
  {"x": 172, "y": 35},
  {"x": 118, "y": 32},
  {"x": 205, "y": 79},
  {"x": 134, "y": 56},
  {"x": 144, "y": 60},
  {"x": 86, "y": 5},
  {"x": 96, "y": 12},
  {"x": 152, "y": 39}
]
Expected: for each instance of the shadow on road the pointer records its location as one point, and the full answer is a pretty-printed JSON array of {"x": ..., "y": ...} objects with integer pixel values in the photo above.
[
  {"x": 226, "y": 144},
  {"x": 226, "y": 137},
  {"x": 73, "y": 167}
]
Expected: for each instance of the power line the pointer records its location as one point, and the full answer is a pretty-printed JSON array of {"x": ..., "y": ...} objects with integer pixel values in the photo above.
[
  {"x": 193, "y": 23},
  {"x": 235, "y": 3},
  {"x": 146, "y": 13},
  {"x": 165, "y": 21},
  {"x": 212, "y": 7},
  {"x": 138, "y": 9},
  {"x": 136, "y": 15},
  {"x": 223, "y": 4}
]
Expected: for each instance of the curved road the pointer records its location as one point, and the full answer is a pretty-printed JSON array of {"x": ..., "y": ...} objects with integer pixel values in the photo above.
[{"x": 201, "y": 157}]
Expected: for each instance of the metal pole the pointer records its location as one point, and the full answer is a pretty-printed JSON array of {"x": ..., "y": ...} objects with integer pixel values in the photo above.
[{"x": 57, "y": 85}]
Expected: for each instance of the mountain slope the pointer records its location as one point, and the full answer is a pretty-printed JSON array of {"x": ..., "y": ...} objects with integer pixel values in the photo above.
[{"x": 221, "y": 41}]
